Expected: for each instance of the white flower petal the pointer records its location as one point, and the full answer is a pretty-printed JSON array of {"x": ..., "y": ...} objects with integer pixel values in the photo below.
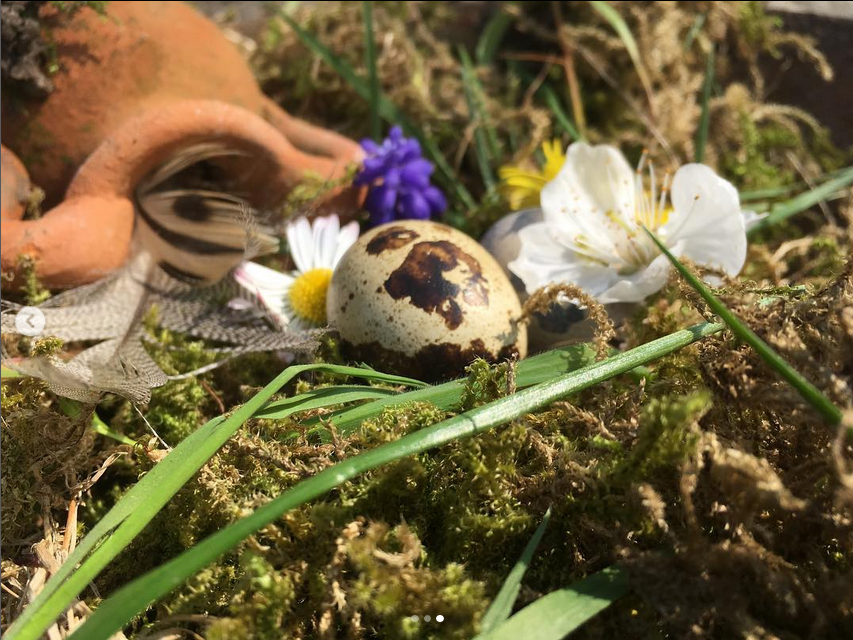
[
  {"x": 752, "y": 218},
  {"x": 326, "y": 232},
  {"x": 252, "y": 275},
  {"x": 300, "y": 241},
  {"x": 706, "y": 217},
  {"x": 501, "y": 240},
  {"x": 346, "y": 238},
  {"x": 639, "y": 285},
  {"x": 593, "y": 192},
  {"x": 270, "y": 286},
  {"x": 543, "y": 259},
  {"x": 240, "y": 304}
]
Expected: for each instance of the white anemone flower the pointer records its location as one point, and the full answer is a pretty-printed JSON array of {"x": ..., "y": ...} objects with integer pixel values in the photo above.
[
  {"x": 297, "y": 300},
  {"x": 594, "y": 212}
]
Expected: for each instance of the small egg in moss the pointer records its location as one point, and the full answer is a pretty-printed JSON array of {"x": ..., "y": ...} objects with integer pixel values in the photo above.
[{"x": 423, "y": 299}]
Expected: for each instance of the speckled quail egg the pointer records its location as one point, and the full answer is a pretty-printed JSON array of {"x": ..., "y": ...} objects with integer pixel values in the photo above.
[{"x": 423, "y": 299}]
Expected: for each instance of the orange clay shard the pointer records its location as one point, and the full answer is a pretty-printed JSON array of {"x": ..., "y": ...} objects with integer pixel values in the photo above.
[{"x": 134, "y": 89}]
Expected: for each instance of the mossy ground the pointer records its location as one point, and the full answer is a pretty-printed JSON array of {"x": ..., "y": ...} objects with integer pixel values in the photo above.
[{"x": 722, "y": 493}]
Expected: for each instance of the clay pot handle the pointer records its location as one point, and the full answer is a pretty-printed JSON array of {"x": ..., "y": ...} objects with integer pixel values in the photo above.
[
  {"x": 143, "y": 142},
  {"x": 88, "y": 235}
]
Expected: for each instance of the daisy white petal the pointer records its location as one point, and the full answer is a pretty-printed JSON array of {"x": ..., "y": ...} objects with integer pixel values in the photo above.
[
  {"x": 346, "y": 238},
  {"x": 270, "y": 286},
  {"x": 326, "y": 231},
  {"x": 300, "y": 242}
]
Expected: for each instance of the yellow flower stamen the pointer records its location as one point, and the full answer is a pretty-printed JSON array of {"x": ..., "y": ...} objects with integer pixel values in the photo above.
[{"x": 308, "y": 295}]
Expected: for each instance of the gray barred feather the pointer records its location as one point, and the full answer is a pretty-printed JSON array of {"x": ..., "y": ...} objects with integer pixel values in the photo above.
[{"x": 185, "y": 244}]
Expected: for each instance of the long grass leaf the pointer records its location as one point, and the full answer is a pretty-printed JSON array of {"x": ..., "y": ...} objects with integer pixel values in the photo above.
[
  {"x": 705, "y": 117},
  {"x": 552, "y": 101},
  {"x": 317, "y": 398},
  {"x": 556, "y": 615},
  {"x": 477, "y": 115},
  {"x": 387, "y": 109},
  {"x": 532, "y": 370},
  {"x": 9, "y": 374},
  {"x": 785, "y": 210},
  {"x": 811, "y": 394},
  {"x": 102, "y": 428},
  {"x": 120, "y": 607},
  {"x": 501, "y": 606},
  {"x": 372, "y": 75},
  {"x": 492, "y": 36},
  {"x": 775, "y": 192},
  {"x": 621, "y": 28},
  {"x": 695, "y": 28},
  {"x": 145, "y": 499},
  {"x": 72, "y": 409}
]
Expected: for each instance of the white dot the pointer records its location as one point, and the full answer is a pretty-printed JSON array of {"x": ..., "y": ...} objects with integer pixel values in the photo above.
[
  {"x": 427, "y": 618},
  {"x": 414, "y": 618},
  {"x": 439, "y": 618},
  {"x": 30, "y": 321}
]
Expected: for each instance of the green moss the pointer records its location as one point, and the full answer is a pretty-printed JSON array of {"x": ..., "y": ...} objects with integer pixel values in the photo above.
[
  {"x": 485, "y": 383},
  {"x": 667, "y": 435},
  {"x": 755, "y": 25},
  {"x": 755, "y": 166},
  {"x": 34, "y": 291},
  {"x": 42, "y": 450}
]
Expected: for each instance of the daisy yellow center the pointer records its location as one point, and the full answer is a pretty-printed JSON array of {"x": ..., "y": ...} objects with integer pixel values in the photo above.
[{"x": 308, "y": 295}]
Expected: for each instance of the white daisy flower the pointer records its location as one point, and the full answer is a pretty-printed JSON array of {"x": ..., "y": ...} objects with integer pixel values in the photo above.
[
  {"x": 593, "y": 212},
  {"x": 297, "y": 300}
]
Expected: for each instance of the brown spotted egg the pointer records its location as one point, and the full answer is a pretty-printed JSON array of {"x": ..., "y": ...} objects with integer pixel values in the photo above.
[{"x": 423, "y": 299}]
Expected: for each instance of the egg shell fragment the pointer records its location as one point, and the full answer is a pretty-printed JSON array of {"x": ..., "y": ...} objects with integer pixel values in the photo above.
[{"x": 424, "y": 299}]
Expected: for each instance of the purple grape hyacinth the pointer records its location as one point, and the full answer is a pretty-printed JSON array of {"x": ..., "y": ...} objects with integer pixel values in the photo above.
[{"x": 399, "y": 180}]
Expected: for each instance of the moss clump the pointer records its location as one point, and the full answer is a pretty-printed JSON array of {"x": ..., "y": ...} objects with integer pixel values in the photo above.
[
  {"x": 33, "y": 290},
  {"x": 45, "y": 452}
]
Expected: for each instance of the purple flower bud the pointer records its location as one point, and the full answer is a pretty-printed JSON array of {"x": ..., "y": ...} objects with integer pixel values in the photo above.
[{"x": 399, "y": 180}]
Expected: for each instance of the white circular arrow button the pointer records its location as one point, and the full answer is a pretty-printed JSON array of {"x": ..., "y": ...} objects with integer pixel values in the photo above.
[{"x": 29, "y": 321}]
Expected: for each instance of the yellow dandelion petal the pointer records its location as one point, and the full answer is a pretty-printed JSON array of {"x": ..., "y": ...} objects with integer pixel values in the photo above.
[{"x": 522, "y": 186}]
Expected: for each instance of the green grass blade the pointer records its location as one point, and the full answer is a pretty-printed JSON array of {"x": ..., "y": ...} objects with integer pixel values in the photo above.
[
  {"x": 695, "y": 28},
  {"x": 317, "y": 398},
  {"x": 556, "y": 615},
  {"x": 477, "y": 115},
  {"x": 552, "y": 101},
  {"x": 372, "y": 75},
  {"x": 9, "y": 374},
  {"x": 145, "y": 499},
  {"x": 560, "y": 115},
  {"x": 501, "y": 607},
  {"x": 621, "y": 28},
  {"x": 532, "y": 370},
  {"x": 387, "y": 109},
  {"x": 72, "y": 409},
  {"x": 705, "y": 118},
  {"x": 491, "y": 38},
  {"x": 785, "y": 210},
  {"x": 120, "y": 607},
  {"x": 101, "y": 427},
  {"x": 823, "y": 405},
  {"x": 775, "y": 192}
]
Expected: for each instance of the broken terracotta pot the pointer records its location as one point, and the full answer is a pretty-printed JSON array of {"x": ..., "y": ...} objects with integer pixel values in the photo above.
[
  {"x": 15, "y": 187},
  {"x": 133, "y": 89}
]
